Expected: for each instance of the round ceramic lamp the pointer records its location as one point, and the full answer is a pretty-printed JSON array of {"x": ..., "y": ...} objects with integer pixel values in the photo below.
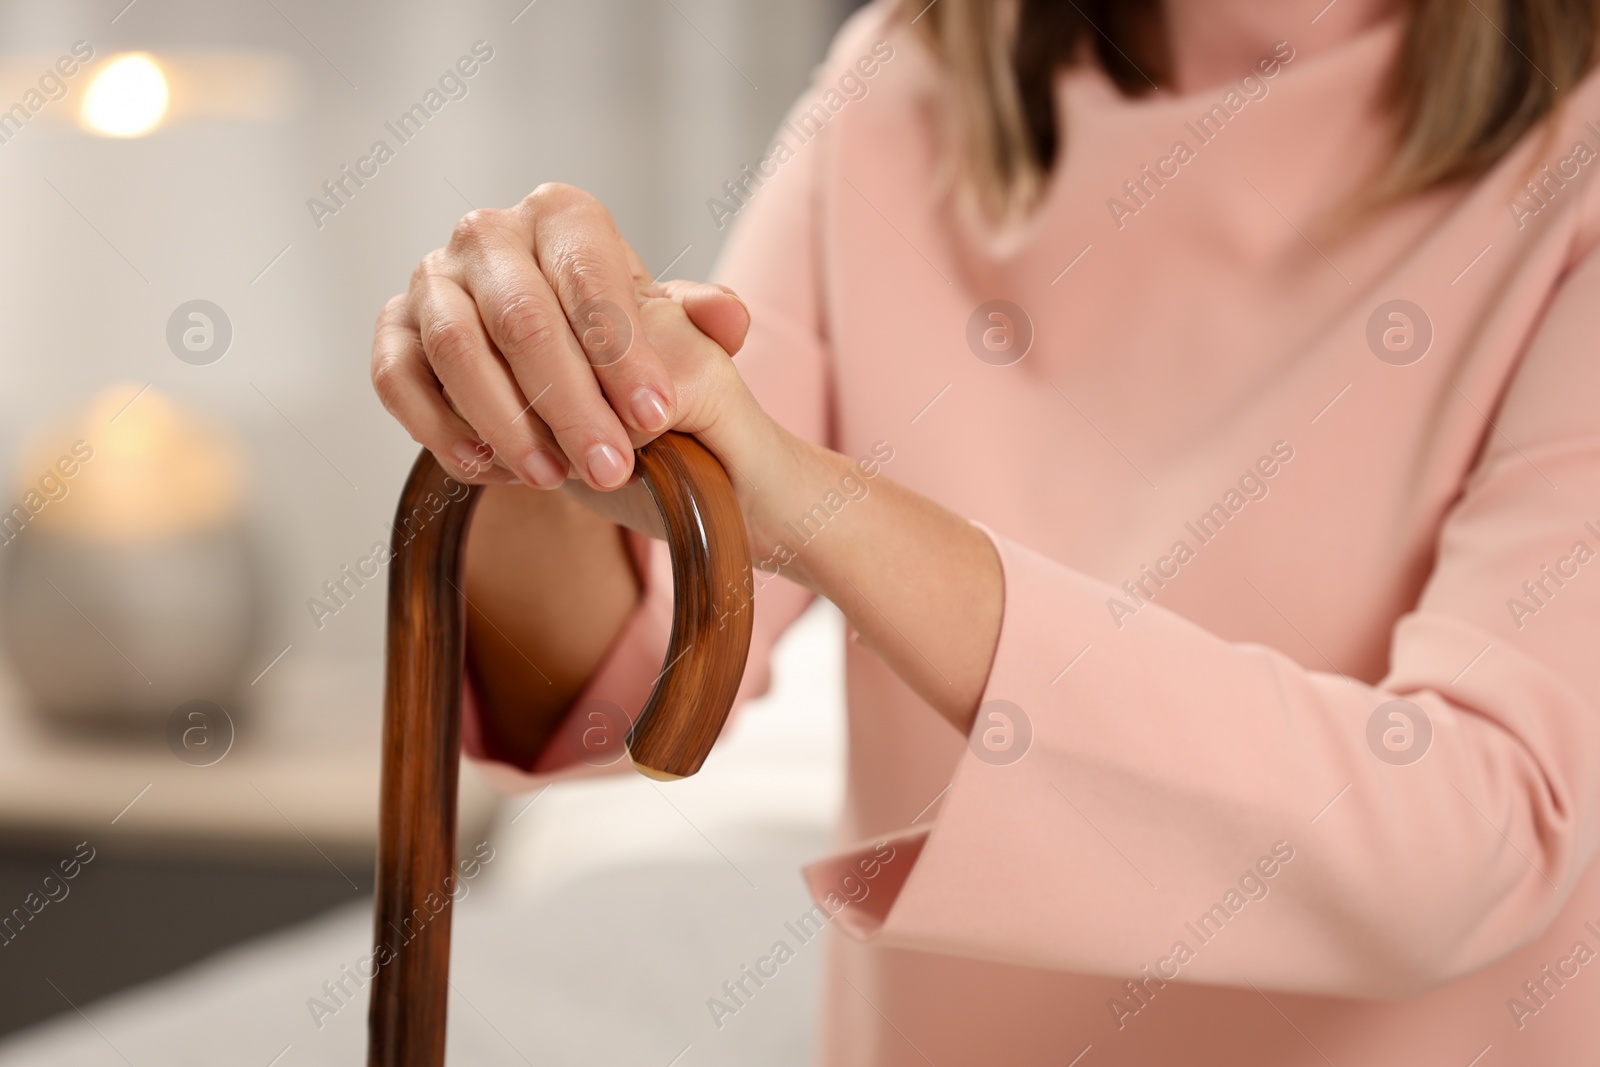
[
  {"x": 130, "y": 581},
  {"x": 671, "y": 737}
]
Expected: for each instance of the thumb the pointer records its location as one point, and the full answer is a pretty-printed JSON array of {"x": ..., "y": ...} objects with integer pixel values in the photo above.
[{"x": 715, "y": 310}]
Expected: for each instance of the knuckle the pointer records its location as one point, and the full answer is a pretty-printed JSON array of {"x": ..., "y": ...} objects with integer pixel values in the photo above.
[
  {"x": 605, "y": 335},
  {"x": 571, "y": 423},
  {"x": 664, "y": 306},
  {"x": 551, "y": 197},
  {"x": 556, "y": 199},
  {"x": 585, "y": 276},
  {"x": 449, "y": 343},
  {"x": 433, "y": 265},
  {"x": 522, "y": 327},
  {"x": 387, "y": 381},
  {"x": 663, "y": 317},
  {"x": 393, "y": 311},
  {"x": 476, "y": 229}
]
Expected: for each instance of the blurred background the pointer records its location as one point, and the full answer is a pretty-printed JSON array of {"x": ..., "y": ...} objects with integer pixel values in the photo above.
[{"x": 198, "y": 231}]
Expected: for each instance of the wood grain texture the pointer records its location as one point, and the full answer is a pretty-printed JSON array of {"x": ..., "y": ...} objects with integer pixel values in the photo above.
[
  {"x": 709, "y": 642},
  {"x": 426, "y": 642},
  {"x": 712, "y": 609}
]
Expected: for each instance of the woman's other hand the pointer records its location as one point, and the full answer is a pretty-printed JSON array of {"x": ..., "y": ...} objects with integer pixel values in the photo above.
[{"x": 535, "y": 348}]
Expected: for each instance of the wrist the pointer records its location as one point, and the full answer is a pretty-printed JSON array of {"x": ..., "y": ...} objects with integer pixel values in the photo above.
[{"x": 801, "y": 518}]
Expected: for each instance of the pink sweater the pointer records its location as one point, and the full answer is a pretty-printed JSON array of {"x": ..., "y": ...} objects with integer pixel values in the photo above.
[{"x": 1297, "y": 754}]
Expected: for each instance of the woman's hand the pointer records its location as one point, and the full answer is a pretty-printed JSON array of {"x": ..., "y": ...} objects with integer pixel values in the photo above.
[{"x": 535, "y": 348}]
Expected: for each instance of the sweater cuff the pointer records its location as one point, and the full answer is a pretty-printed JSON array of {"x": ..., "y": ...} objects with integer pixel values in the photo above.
[{"x": 952, "y": 884}]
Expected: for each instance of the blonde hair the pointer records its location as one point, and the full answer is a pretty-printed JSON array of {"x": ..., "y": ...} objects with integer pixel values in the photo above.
[{"x": 1469, "y": 80}]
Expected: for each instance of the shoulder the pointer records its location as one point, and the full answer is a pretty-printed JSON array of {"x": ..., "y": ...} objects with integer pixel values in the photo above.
[
  {"x": 878, "y": 52},
  {"x": 1546, "y": 180},
  {"x": 882, "y": 24}
]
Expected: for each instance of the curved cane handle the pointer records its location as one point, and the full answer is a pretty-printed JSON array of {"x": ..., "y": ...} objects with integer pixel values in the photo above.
[
  {"x": 710, "y": 639},
  {"x": 711, "y": 614}
]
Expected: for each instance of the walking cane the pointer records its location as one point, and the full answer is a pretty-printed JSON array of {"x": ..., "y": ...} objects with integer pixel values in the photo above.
[{"x": 671, "y": 737}]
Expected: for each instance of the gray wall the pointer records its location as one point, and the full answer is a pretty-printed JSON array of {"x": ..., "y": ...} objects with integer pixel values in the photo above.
[{"x": 627, "y": 98}]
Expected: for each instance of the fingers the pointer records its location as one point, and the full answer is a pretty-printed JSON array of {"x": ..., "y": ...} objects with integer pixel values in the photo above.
[
  {"x": 715, "y": 310},
  {"x": 596, "y": 278},
  {"x": 480, "y": 385},
  {"x": 408, "y": 390},
  {"x": 521, "y": 348},
  {"x": 699, "y": 365},
  {"x": 528, "y": 326}
]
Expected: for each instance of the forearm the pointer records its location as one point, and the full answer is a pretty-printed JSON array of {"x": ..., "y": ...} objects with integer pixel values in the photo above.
[
  {"x": 548, "y": 585},
  {"x": 920, "y": 584}
]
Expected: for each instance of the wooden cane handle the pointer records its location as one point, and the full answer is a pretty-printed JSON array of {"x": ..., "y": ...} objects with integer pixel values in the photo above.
[
  {"x": 706, "y": 652},
  {"x": 711, "y": 608}
]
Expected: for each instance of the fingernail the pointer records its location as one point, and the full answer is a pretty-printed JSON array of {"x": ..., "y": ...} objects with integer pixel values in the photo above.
[
  {"x": 545, "y": 470},
  {"x": 606, "y": 466},
  {"x": 474, "y": 459},
  {"x": 650, "y": 409},
  {"x": 733, "y": 294}
]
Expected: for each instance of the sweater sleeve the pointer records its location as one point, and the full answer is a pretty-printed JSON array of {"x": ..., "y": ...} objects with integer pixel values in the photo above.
[
  {"x": 1353, "y": 839},
  {"x": 771, "y": 261}
]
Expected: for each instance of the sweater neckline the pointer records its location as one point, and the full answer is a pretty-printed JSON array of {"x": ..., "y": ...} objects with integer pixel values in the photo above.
[{"x": 1082, "y": 89}]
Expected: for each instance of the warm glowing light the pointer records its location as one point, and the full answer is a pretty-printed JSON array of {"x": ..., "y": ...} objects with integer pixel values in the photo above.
[
  {"x": 126, "y": 98},
  {"x": 134, "y": 467}
]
